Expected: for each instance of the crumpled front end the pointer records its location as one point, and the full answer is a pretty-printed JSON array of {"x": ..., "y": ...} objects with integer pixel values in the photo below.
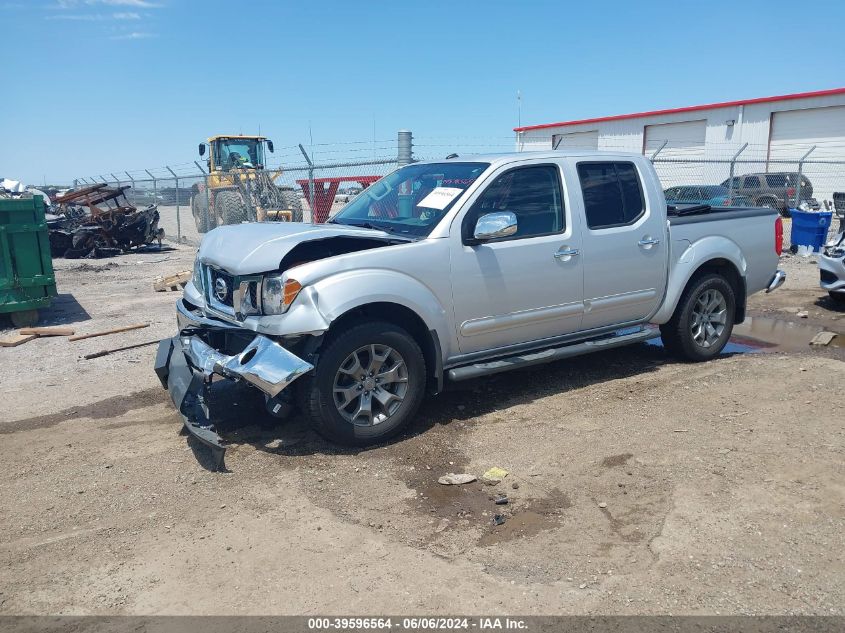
[{"x": 186, "y": 364}]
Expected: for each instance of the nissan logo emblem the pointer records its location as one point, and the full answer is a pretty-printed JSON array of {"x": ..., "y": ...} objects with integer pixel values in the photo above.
[{"x": 221, "y": 290}]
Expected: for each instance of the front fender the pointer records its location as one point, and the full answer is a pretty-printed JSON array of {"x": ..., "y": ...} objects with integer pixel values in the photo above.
[
  {"x": 322, "y": 302},
  {"x": 340, "y": 293},
  {"x": 693, "y": 256}
]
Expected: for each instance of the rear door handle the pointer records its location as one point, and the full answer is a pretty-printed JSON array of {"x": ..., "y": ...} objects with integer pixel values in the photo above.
[
  {"x": 566, "y": 253},
  {"x": 648, "y": 241}
]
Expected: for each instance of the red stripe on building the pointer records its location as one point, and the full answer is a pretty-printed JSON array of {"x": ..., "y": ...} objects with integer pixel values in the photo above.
[{"x": 709, "y": 106}]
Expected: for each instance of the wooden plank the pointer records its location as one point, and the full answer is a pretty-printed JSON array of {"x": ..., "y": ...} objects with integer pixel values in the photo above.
[
  {"x": 125, "y": 328},
  {"x": 47, "y": 331},
  {"x": 161, "y": 284},
  {"x": 823, "y": 338},
  {"x": 16, "y": 339}
]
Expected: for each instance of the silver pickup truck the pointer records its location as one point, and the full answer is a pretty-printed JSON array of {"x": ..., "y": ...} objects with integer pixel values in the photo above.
[{"x": 450, "y": 270}]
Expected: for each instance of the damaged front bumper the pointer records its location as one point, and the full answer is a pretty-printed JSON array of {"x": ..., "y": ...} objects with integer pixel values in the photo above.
[{"x": 186, "y": 363}]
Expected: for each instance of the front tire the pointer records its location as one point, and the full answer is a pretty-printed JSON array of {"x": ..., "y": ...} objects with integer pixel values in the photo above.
[
  {"x": 703, "y": 320},
  {"x": 838, "y": 297},
  {"x": 231, "y": 207},
  {"x": 368, "y": 385},
  {"x": 292, "y": 203},
  {"x": 199, "y": 209}
]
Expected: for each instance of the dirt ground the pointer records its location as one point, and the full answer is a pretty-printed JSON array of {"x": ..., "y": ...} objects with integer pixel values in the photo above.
[{"x": 637, "y": 484}]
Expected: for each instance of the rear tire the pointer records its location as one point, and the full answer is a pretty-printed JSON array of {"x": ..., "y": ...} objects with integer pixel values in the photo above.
[
  {"x": 359, "y": 402},
  {"x": 703, "y": 320},
  {"x": 771, "y": 203},
  {"x": 230, "y": 207}
]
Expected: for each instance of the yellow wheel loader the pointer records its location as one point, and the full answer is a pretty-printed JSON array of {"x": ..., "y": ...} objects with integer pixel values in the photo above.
[{"x": 238, "y": 188}]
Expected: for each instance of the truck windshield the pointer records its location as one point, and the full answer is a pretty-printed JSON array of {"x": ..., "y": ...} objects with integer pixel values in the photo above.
[
  {"x": 232, "y": 153},
  {"x": 411, "y": 200}
]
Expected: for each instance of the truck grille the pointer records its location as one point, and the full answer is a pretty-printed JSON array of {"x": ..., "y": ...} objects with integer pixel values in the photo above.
[{"x": 221, "y": 288}]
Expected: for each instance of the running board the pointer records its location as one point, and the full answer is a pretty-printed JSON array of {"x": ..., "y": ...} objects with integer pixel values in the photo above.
[{"x": 618, "y": 339}]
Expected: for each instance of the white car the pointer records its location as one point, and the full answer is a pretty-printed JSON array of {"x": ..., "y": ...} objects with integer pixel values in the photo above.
[{"x": 832, "y": 267}]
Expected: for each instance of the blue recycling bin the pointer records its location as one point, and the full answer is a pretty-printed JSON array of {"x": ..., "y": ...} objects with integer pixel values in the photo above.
[{"x": 809, "y": 228}]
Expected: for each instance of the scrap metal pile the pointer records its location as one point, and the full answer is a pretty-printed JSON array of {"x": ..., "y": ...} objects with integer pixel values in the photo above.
[{"x": 98, "y": 221}]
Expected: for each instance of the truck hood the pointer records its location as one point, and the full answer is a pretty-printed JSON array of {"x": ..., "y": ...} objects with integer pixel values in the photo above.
[{"x": 246, "y": 249}]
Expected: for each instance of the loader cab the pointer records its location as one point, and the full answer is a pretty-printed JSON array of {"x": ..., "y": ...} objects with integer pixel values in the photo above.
[{"x": 229, "y": 153}]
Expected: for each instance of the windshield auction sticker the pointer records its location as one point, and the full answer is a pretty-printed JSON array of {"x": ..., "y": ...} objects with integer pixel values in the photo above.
[{"x": 440, "y": 197}]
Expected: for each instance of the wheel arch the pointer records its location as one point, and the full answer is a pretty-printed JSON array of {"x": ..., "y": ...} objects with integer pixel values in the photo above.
[
  {"x": 726, "y": 269},
  {"x": 407, "y": 319},
  {"x": 709, "y": 255}
]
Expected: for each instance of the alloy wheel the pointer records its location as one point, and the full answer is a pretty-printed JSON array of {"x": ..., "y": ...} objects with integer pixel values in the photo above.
[
  {"x": 709, "y": 317},
  {"x": 370, "y": 385}
]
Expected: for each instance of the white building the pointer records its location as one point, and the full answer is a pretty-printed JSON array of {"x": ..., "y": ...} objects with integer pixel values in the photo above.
[{"x": 694, "y": 144}]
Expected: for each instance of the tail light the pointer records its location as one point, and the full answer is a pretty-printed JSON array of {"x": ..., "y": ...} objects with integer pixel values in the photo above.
[
  {"x": 779, "y": 236},
  {"x": 726, "y": 202},
  {"x": 790, "y": 191}
]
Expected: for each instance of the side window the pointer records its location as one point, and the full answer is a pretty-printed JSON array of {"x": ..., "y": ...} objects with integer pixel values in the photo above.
[
  {"x": 533, "y": 194},
  {"x": 776, "y": 181},
  {"x": 752, "y": 182},
  {"x": 612, "y": 194}
]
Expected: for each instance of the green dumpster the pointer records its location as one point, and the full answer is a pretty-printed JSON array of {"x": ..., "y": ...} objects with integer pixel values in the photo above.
[{"x": 27, "y": 281}]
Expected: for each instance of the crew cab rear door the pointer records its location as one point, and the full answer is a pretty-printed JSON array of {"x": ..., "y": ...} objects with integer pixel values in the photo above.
[
  {"x": 625, "y": 250},
  {"x": 525, "y": 287}
]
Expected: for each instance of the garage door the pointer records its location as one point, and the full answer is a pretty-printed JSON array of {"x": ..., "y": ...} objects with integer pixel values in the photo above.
[
  {"x": 576, "y": 140},
  {"x": 794, "y": 132},
  {"x": 683, "y": 141}
]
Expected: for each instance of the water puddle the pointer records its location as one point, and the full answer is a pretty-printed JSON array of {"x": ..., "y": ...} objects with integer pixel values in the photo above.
[
  {"x": 764, "y": 334},
  {"x": 779, "y": 335}
]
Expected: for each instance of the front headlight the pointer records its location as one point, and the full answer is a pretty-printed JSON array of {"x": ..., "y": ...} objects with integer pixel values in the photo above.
[
  {"x": 197, "y": 278},
  {"x": 277, "y": 293}
]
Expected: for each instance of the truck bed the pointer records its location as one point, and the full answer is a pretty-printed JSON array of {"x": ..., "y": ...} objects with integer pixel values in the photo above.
[
  {"x": 751, "y": 229},
  {"x": 716, "y": 213}
]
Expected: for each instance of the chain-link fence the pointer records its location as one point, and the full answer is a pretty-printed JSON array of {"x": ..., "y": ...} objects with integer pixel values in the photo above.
[
  {"x": 312, "y": 184},
  {"x": 782, "y": 175},
  {"x": 302, "y": 185}
]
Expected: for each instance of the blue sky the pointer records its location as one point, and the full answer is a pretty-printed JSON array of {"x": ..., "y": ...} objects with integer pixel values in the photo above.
[{"x": 94, "y": 86}]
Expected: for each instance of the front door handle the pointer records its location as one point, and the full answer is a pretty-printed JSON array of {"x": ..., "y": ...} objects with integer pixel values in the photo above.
[
  {"x": 566, "y": 253},
  {"x": 648, "y": 241}
]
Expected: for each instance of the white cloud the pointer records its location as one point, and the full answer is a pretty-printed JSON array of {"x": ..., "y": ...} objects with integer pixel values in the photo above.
[
  {"x": 139, "y": 4},
  {"x": 94, "y": 17},
  {"x": 81, "y": 17},
  {"x": 134, "y": 35}
]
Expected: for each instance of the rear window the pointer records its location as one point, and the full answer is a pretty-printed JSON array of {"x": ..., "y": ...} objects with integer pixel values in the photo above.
[
  {"x": 612, "y": 194},
  {"x": 752, "y": 182}
]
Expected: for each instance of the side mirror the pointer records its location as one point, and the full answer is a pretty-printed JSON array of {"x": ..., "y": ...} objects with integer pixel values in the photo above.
[
  {"x": 270, "y": 145},
  {"x": 202, "y": 149},
  {"x": 492, "y": 226}
]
